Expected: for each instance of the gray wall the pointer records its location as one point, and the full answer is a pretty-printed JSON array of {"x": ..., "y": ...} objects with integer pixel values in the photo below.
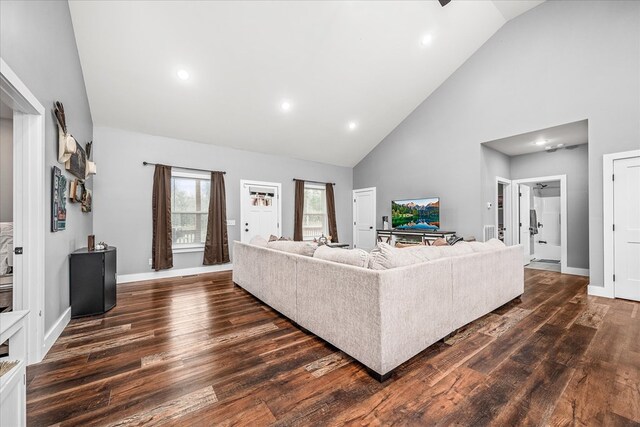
[
  {"x": 561, "y": 62},
  {"x": 6, "y": 170},
  {"x": 37, "y": 42},
  {"x": 122, "y": 202},
  {"x": 574, "y": 164}
]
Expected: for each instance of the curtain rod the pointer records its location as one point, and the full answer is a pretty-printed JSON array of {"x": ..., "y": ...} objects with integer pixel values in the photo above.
[
  {"x": 315, "y": 182},
  {"x": 180, "y": 167}
]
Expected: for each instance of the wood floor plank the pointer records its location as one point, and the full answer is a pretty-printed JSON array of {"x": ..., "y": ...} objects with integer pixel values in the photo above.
[{"x": 199, "y": 350}]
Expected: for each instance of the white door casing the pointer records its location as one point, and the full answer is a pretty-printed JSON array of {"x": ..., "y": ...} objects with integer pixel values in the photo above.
[
  {"x": 262, "y": 218},
  {"x": 28, "y": 206},
  {"x": 626, "y": 229},
  {"x": 524, "y": 197},
  {"x": 364, "y": 218}
]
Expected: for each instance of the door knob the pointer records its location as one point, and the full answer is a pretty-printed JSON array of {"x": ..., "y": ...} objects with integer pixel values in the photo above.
[
  {"x": 246, "y": 229},
  {"x": 371, "y": 228}
]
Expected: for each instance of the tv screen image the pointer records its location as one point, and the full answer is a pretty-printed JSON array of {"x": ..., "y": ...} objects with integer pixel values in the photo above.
[{"x": 416, "y": 214}]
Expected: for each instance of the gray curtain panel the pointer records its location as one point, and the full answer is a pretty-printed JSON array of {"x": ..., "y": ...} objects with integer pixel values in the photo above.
[
  {"x": 216, "y": 247},
  {"x": 299, "y": 205},
  {"x": 162, "y": 256},
  {"x": 331, "y": 213}
]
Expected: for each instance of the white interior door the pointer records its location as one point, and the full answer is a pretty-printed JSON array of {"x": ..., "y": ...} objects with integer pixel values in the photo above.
[
  {"x": 364, "y": 218},
  {"x": 626, "y": 219},
  {"x": 524, "y": 206},
  {"x": 260, "y": 213}
]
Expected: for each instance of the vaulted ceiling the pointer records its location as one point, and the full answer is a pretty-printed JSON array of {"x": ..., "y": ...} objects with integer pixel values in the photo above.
[{"x": 349, "y": 72}]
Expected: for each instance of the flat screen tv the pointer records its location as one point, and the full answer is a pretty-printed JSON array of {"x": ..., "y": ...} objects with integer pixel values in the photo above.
[{"x": 416, "y": 214}]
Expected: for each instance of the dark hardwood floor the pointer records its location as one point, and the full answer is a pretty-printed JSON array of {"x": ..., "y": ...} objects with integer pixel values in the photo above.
[{"x": 199, "y": 351}]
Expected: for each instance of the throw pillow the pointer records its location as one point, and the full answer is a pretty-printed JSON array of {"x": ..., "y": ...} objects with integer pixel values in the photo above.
[
  {"x": 273, "y": 238},
  {"x": 299, "y": 248},
  {"x": 440, "y": 242},
  {"x": 258, "y": 241},
  {"x": 355, "y": 257}
]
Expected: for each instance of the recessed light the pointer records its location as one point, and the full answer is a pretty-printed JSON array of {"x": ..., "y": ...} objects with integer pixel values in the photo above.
[
  {"x": 352, "y": 125},
  {"x": 541, "y": 142},
  {"x": 183, "y": 74},
  {"x": 286, "y": 106},
  {"x": 427, "y": 39}
]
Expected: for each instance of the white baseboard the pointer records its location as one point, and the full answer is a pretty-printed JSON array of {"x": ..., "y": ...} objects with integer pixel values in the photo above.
[
  {"x": 599, "y": 291},
  {"x": 137, "y": 277},
  {"x": 52, "y": 334},
  {"x": 576, "y": 271}
]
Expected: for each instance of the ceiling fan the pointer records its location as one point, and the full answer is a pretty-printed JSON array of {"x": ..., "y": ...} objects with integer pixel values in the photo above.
[{"x": 443, "y": 3}]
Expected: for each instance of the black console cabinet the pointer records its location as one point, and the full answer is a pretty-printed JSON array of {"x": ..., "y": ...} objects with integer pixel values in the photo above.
[{"x": 92, "y": 281}]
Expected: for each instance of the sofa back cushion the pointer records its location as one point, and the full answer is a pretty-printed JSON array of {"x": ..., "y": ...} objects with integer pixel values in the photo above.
[
  {"x": 490, "y": 245},
  {"x": 299, "y": 248},
  {"x": 386, "y": 256},
  {"x": 460, "y": 248},
  {"x": 355, "y": 257}
]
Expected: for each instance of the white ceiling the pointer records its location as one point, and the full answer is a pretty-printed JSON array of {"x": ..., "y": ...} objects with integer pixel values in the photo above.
[
  {"x": 568, "y": 135},
  {"x": 335, "y": 62}
]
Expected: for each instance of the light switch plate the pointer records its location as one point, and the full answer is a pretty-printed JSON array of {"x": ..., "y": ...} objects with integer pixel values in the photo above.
[{"x": 231, "y": 222}]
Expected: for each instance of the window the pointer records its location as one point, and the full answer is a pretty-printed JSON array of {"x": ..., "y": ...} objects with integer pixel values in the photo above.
[
  {"x": 189, "y": 209},
  {"x": 314, "y": 219}
]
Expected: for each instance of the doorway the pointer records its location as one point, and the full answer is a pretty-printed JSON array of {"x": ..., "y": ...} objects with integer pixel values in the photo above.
[
  {"x": 503, "y": 210},
  {"x": 364, "y": 218},
  {"x": 28, "y": 206},
  {"x": 540, "y": 216},
  {"x": 260, "y": 213}
]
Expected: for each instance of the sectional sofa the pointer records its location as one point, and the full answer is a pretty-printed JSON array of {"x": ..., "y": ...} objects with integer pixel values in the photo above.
[{"x": 381, "y": 318}]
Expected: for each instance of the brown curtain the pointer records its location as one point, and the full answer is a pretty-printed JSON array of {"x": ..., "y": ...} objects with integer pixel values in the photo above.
[
  {"x": 331, "y": 213},
  {"x": 162, "y": 256},
  {"x": 216, "y": 247},
  {"x": 299, "y": 202}
]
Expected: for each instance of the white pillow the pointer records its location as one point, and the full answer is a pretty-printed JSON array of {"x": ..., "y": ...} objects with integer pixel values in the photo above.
[
  {"x": 299, "y": 248},
  {"x": 355, "y": 257},
  {"x": 490, "y": 245},
  {"x": 258, "y": 241}
]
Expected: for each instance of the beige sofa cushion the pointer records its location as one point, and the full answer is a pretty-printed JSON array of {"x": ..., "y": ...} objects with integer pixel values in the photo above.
[
  {"x": 355, "y": 257},
  {"x": 299, "y": 248},
  {"x": 386, "y": 256}
]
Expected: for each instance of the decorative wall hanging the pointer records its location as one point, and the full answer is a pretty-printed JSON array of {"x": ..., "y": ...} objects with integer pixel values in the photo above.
[
  {"x": 76, "y": 190},
  {"x": 77, "y": 163},
  {"x": 58, "y": 200},
  {"x": 86, "y": 201},
  {"x": 91, "y": 166},
  {"x": 66, "y": 142}
]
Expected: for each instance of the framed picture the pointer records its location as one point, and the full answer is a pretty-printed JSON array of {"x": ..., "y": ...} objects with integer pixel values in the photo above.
[
  {"x": 77, "y": 163},
  {"x": 76, "y": 191},
  {"x": 58, "y": 200},
  {"x": 86, "y": 200}
]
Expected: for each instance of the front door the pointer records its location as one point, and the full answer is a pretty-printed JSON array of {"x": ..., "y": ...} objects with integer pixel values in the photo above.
[
  {"x": 525, "y": 235},
  {"x": 364, "y": 218},
  {"x": 626, "y": 219},
  {"x": 259, "y": 210}
]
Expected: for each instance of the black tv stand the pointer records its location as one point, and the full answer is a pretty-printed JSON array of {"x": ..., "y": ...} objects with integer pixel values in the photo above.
[{"x": 425, "y": 237}]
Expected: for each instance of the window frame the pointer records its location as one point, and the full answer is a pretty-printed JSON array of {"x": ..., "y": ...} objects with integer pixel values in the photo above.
[
  {"x": 325, "y": 222},
  {"x": 187, "y": 247}
]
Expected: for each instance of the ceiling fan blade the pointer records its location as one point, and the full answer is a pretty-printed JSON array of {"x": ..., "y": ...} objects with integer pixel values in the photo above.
[{"x": 443, "y": 3}]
